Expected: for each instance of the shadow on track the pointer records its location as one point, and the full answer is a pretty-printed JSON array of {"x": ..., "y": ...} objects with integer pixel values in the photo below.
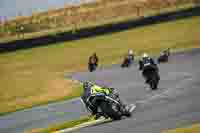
[{"x": 99, "y": 30}]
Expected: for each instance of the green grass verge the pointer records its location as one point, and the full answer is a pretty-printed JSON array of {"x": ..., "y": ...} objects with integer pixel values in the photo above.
[
  {"x": 60, "y": 126},
  {"x": 76, "y": 93},
  {"x": 191, "y": 129},
  {"x": 36, "y": 76}
]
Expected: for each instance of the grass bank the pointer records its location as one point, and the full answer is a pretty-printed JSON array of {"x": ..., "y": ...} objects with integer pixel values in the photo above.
[
  {"x": 36, "y": 76},
  {"x": 86, "y": 15},
  {"x": 23, "y": 101},
  {"x": 190, "y": 129}
]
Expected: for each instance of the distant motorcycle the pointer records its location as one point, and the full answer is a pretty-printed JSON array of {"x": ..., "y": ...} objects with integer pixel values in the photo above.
[
  {"x": 164, "y": 56},
  {"x": 152, "y": 77},
  {"x": 93, "y": 62},
  {"x": 92, "y": 67},
  {"x": 107, "y": 106},
  {"x": 127, "y": 62}
]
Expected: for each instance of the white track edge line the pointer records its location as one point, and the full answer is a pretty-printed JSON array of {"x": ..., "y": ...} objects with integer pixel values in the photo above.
[{"x": 86, "y": 124}]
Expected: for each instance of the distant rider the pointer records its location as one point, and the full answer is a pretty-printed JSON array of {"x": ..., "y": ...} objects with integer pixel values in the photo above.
[
  {"x": 90, "y": 88},
  {"x": 164, "y": 56},
  {"x": 147, "y": 63},
  {"x": 130, "y": 56},
  {"x": 166, "y": 53},
  {"x": 93, "y": 62},
  {"x": 128, "y": 60}
]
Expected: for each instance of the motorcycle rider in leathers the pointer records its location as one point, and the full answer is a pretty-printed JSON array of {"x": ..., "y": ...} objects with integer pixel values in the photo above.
[
  {"x": 90, "y": 88},
  {"x": 145, "y": 63}
]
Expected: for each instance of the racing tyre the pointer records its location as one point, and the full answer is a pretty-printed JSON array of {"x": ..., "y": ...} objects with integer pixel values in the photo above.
[{"x": 111, "y": 110}]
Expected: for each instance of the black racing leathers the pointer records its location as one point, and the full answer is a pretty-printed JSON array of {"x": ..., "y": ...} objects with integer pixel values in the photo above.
[{"x": 148, "y": 67}]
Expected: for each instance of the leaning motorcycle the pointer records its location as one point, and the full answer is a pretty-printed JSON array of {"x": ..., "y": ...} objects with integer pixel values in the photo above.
[{"x": 107, "y": 106}]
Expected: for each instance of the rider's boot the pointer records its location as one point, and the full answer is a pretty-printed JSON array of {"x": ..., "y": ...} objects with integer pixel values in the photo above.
[
  {"x": 127, "y": 109},
  {"x": 131, "y": 107}
]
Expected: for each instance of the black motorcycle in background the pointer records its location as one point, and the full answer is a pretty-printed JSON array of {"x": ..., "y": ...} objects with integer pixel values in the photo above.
[
  {"x": 151, "y": 75},
  {"x": 164, "y": 56}
]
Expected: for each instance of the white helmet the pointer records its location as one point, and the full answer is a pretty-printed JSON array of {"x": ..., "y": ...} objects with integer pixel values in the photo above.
[
  {"x": 145, "y": 55},
  {"x": 130, "y": 51}
]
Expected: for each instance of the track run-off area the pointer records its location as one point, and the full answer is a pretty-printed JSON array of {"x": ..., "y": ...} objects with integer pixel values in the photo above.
[{"x": 174, "y": 104}]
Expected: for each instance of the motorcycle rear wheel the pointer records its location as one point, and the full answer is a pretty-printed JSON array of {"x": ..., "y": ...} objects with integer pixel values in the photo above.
[
  {"x": 154, "y": 83},
  {"x": 113, "y": 111}
]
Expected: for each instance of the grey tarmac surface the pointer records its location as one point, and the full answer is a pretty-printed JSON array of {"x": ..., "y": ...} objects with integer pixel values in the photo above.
[
  {"x": 175, "y": 104},
  {"x": 41, "y": 116}
]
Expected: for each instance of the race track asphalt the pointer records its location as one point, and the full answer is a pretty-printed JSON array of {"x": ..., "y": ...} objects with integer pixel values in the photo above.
[
  {"x": 41, "y": 116},
  {"x": 174, "y": 104}
]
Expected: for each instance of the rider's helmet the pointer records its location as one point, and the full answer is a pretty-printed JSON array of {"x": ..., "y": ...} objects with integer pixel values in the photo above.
[
  {"x": 130, "y": 52},
  {"x": 87, "y": 85},
  {"x": 163, "y": 53},
  {"x": 145, "y": 55},
  {"x": 94, "y": 54}
]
